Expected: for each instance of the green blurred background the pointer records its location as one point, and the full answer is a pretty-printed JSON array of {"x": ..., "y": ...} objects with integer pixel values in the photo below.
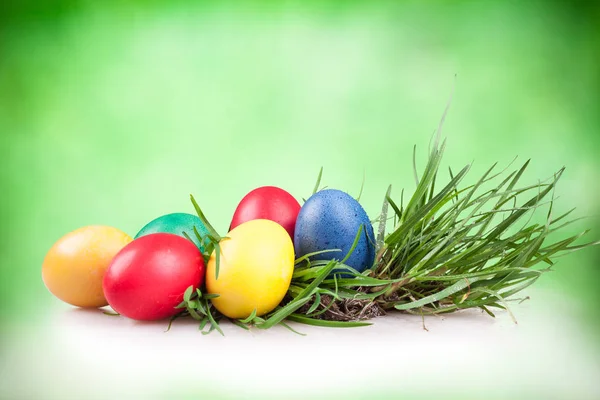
[{"x": 114, "y": 112}]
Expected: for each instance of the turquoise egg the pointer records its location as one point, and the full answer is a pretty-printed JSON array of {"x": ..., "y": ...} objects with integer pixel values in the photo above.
[{"x": 177, "y": 224}]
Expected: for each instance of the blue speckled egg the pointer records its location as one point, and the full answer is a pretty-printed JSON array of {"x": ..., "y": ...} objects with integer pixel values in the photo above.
[
  {"x": 330, "y": 219},
  {"x": 176, "y": 223}
]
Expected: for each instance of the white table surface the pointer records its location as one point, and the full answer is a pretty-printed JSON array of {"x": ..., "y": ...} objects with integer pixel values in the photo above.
[{"x": 77, "y": 354}]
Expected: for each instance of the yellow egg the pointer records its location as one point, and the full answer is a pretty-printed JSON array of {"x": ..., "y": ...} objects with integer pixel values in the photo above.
[
  {"x": 255, "y": 269},
  {"x": 74, "y": 267}
]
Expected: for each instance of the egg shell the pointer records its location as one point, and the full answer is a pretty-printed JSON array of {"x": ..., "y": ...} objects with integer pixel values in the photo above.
[
  {"x": 268, "y": 202},
  {"x": 177, "y": 224},
  {"x": 255, "y": 270},
  {"x": 147, "y": 279},
  {"x": 330, "y": 219},
  {"x": 74, "y": 267}
]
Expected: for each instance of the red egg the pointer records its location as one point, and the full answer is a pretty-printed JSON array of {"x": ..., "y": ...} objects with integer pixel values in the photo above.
[
  {"x": 146, "y": 280},
  {"x": 268, "y": 202}
]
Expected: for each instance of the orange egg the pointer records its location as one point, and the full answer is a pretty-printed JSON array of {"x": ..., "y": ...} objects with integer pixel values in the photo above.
[{"x": 75, "y": 265}]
